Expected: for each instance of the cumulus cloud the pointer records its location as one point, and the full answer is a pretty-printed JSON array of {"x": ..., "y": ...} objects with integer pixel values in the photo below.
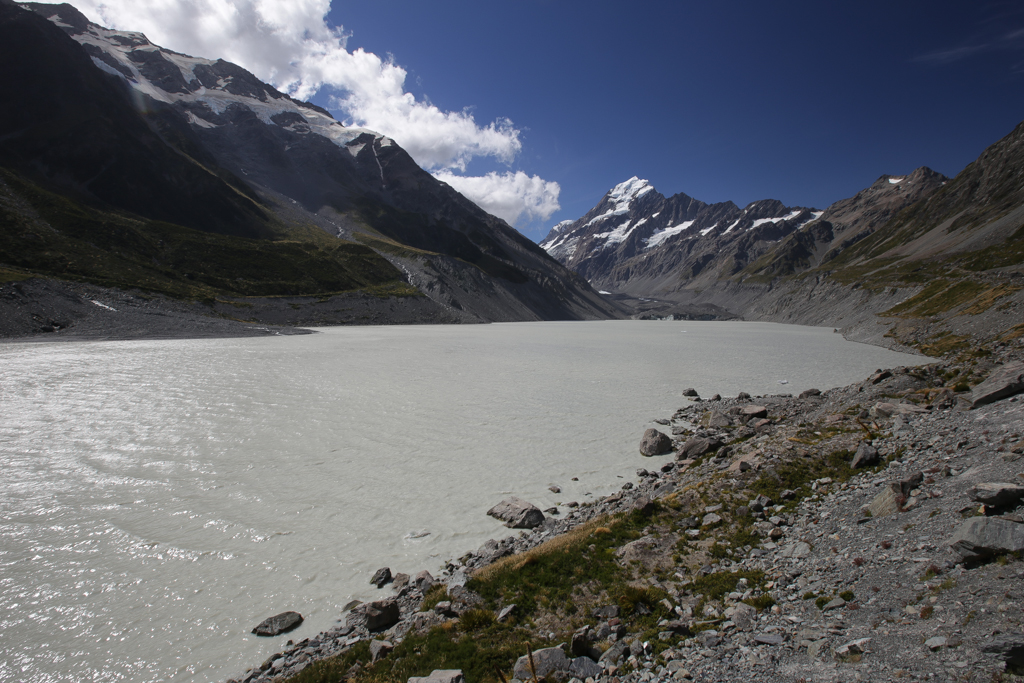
[
  {"x": 507, "y": 195},
  {"x": 288, "y": 43}
]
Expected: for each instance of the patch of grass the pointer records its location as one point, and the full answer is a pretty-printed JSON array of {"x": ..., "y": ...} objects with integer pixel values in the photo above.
[
  {"x": 435, "y": 594},
  {"x": 848, "y": 596},
  {"x": 944, "y": 343},
  {"x": 761, "y": 602},
  {"x": 938, "y": 297},
  {"x": 797, "y": 475},
  {"x": 333, "y": 669},
  {"x": 550, "y": 575},
  {"x": 822, "y": 601},
  {"x": 714, "y": 586}
]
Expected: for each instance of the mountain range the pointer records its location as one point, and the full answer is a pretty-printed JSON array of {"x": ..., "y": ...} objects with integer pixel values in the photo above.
[
  {"x": 127, "y": 165},
  {"x": 916, "y": 259}
]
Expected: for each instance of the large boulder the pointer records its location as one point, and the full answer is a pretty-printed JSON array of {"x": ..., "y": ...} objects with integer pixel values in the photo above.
[
  {"x": 382, "y": 614},
  {"x": 696, "y": 447},
  {"x": 545, "y": 661},
  {"x": 440, "y": 676},
  {"x": 997, "y": 494},
  {"x": 1005, "y": 381},
  {"x": 516, "y": 513},
  {"x": 887, "y": 502},
  {"x": 279, "y": 623},
  {"x": 655, "y": 443},
  {"x": 983, "y": 537},
  {"x": 381, "y": 577},
  {"x": 866, "y": 456},
  {"x": 1009, "y": 647},
  {"x": 752, "y": 411}
]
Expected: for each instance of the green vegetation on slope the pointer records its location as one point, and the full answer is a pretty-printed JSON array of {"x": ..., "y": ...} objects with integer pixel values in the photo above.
[{"x": 68, "y": 240}]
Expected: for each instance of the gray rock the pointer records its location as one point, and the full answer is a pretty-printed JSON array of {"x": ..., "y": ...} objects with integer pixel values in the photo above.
[
  {"x": 752, "y": 411},
  {"x": 382, "y": 614},
  {"x": 380, "y": 649},
  {"x": 517, "y": 513},
  {"x": 744, "y": 616},
  {"x": 381, "y": 577},
  {"x": 643, "y": 505},
  {"x": 760, "y": 503},
  {"x": 506, "y": 612},
  {"x": 655, "y": 443},
  {"x": 1005, "y": 381},
  {"x": 796, "y": 550},
  {"x": 279, "y": 623},
  {"x": 887, "y": 502},
  {"x": 911, "y": 482},
  {"x": 690, "y": 392},
  {"x": 810, "y": 392},
  {"x": 696, "y": 447},
  {"x": 866, "y": 456},
  {"x": 545, "y": 661},
  {"x": 982, "y": 537},
  {"x": 584, "y": 668},
  {"x": 854, "y": 647},
  {"x": 769, "y": 639},
  {"x": 710, "y": 518},
  {"x": 440, "y": 676},
  {"x": 879, "y": 376},
  {"x": 423, "y": 581},
  {"x": 1009, "y": 647},
  {"x": 615, "y": 653},
  {"x": 716, "y": 397},
  {"x": 935, "y": 643},
  {"x": 743, "y": 396},
  {"x": 997, "y": 494},
  {"x": 718, "y": 419},
  {"x": 835, "y": 603}
]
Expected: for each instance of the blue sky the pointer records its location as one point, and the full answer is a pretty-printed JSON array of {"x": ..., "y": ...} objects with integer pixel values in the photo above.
[{"x": 806, "y": 102}]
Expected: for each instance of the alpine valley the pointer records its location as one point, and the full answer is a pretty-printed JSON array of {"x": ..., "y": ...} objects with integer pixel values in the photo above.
[
  {"x": 184, "y": 194},
  {"x": 919, "y": 259}
]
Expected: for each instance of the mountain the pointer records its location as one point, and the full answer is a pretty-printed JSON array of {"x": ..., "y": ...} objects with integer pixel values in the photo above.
[
  {"x": 917, "y": 259},
  {"x": 637, "y": 241},
  {"x": 129, "y": 165}
]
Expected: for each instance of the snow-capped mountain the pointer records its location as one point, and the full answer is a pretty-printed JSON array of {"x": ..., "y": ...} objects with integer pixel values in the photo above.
[
  {"x": 109, "y": 118},
  {"x": 637, "y": 240}
]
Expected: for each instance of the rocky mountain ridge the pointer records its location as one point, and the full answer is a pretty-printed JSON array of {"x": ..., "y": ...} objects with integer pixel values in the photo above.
[
  {"x": 918, "y": 260},
  {"x": 136, "y": 140}
]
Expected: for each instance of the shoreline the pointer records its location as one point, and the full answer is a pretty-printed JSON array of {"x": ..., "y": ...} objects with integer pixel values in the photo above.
[{"x": 666, "y": 501}]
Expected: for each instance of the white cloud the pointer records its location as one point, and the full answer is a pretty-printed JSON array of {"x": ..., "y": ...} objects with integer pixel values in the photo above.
[
  {"x": 288, "y": 43},
  {"x": 507, "y": 195}
]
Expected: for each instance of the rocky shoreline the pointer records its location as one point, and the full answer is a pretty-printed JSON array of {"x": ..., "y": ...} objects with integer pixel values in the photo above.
[{"x": 757, "y": 548}]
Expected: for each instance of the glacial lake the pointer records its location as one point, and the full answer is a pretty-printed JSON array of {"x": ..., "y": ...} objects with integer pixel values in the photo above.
[{"x": 158, "y": 499}]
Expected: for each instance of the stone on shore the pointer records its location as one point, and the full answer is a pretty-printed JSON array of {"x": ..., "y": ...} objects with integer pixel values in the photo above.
[
  {"x": 440, "y": 676},
  {"x": 696, "y": 447},
  {"x": 809, "y": 393},
  {"x": 982, "y": 537},
  {"x": 516, "y": 513},
  {"x": 997, "y": 494},
  {"x": 382, "y": 614},
  {"x": 887, "y": 502},
  {"x": 1005, "y": 381},
  {"x": 718, "y": 419},
  {"x": 545, "y": 661},
  {"x": 279, "y": 623},
  {"x": 690, "y": 392},
  {"x": 866, "y": 456},
  {"x": 655, "y": 443},
  {"x": 752, "y": 411},
  {"x": 381, "y": 577}
]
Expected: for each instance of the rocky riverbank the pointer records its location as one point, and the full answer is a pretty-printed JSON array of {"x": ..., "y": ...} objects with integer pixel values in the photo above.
[{"x": 871, "y": 532}]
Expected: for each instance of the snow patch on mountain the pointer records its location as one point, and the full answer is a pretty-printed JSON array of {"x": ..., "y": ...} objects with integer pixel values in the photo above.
[
  {"x": 622, "y": 196},
  {"x": 660, "y": 236}
]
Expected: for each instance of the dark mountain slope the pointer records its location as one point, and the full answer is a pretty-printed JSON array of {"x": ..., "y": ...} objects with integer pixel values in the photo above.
[
  {"x": 133, "y": 146},
  {"x": 74, "y": 129}
]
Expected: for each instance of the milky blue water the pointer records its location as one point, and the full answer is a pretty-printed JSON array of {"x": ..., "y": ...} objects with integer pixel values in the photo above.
[{"x": 160, "y": 498}]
